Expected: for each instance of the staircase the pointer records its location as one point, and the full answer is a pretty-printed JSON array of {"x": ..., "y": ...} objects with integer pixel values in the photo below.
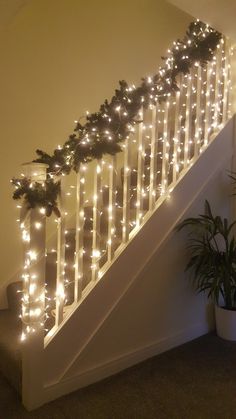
[{"x": 78, "y": 267}]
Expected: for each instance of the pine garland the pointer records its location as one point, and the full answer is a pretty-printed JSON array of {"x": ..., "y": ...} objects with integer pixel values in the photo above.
[
  {"x": 104, "y": 130},
  {"x": 37, "y": 194}
]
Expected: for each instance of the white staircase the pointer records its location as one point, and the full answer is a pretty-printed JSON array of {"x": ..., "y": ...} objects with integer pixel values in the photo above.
[
  {"x": 117, "y": 215},
  {"x": 95, "y": 309}
]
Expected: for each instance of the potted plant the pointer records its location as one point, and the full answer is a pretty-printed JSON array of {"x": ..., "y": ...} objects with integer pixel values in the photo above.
[{"x": 212, "y": 263}]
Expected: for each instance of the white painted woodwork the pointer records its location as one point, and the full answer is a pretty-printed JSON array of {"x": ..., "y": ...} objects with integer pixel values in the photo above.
[
  {"x": 176, "y": 138},
  {"x": 61, "y": 232},
  {"x": 96, "y": 252},
  {"x": 198, "y": 125},
  {"x": 80, "y": 184},
  {"x": 153, "y": 159},
  {"x": 126, "y": 191},
  {"x": 118, "y": 282},
  {"x": 111, "y": 207},
  {"x": 93, "y": 307},
  {"x": 188, "y": 127},
  {"x": 165, "y": 149},
  {"x": 34, "y": 288},
  {"x": 140, "y": 169}
]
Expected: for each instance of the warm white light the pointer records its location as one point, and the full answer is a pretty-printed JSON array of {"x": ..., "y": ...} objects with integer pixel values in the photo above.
[
  {"x": 38, "y": 225},
  {"x": 25, "y": 236},
  {"x": 32, "y": 254},
  {"x": 32, "y": 289},
  {"x": 96, "y": 253}
]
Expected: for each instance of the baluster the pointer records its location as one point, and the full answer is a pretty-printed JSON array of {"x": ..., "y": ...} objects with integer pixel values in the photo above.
[
  {"x": 165, "y": 150},
  {"x": 230, "y": 53},
  {"x": 188, "y": 127},
  {"x": 176, "y": 138},
  {"x": 198, "y": 129},
  {"x": 140, "y": 171},
  {"x": 25, "y": 307},
  {"x": 153, "y": 159},
  {"x": 61, "y": 231},
  {"x": 230, "y": 87},
  {"x": 217, "y": 81},
  {"x": 208, "y": 104},
  {"x": 226, "y": 83},
  {"x": 79, "y": 240},
  {"x": 111, "y": 207},
  {"x": 96, "y": 253},
  {"x": 126, "y": 192}
]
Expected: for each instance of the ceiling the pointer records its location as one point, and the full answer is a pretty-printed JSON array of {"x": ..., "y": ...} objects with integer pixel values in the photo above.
[{"x": 221, "y": 14}]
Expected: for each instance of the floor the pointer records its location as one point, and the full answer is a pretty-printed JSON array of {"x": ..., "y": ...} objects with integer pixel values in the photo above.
[{"x": 194, "y": 381}]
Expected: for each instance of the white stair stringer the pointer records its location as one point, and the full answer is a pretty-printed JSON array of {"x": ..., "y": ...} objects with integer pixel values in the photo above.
[{"x": 76, "y": 331}]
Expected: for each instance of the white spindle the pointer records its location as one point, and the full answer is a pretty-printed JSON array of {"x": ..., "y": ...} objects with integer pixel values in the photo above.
[
  {"x": 111, "y": 208},
  {"x": 79, "y": 234},
  {"x": 61, "y": 231},
  {"x": 126, "y": 192},
  {"x": 140, "y": 171},
  {"x": 153, "y": 159},
  {"x": 207, "y": 121},
  {"x": 226, "y": 83},
  {"x": 230, "y": 87},
  {"x": 198, "y": 128},
  {"x": 187, "y": 128},
  {"x": 218, "y": 58},
  {"x": 176, "y": 138},
  {"x": 165, "y": 150},
  {"x": 96, "y": 252}
]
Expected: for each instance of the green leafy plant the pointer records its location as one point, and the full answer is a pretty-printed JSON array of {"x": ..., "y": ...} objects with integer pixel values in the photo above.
[{"x": 212, "y": 250}]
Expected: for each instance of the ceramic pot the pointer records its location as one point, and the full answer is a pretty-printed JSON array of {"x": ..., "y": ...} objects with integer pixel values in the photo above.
[{"x": 225, "y": 323}]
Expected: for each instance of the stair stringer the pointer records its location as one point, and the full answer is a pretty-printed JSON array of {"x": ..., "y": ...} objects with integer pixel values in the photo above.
[{"x": 76, "y": 331}]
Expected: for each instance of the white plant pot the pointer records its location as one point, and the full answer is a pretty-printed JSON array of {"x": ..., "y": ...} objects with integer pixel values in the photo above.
[{"x": 225, "y": 323}]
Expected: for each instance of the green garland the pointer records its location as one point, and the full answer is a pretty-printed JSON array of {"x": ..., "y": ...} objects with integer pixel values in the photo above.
[
  {"x": 105, "y": 130},
  {"x": 37, "y": 194}
]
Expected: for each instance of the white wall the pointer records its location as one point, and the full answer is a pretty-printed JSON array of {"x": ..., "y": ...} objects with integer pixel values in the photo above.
[{"x": 58, "y": 59}]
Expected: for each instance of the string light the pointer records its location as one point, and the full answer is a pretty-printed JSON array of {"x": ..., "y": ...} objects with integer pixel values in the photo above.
[{"x": 187, "y": 118}]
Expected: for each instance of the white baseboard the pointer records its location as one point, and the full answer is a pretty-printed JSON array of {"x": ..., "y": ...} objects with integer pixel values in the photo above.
[{"x": 113, "y": 366}]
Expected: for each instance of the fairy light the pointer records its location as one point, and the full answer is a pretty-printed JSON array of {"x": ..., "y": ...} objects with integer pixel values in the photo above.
[
  {"x": 38, "y": 225},
  {"x": 174, "y": 149},
  {"x": 32, "y": 254},
  {"x": 25, "y": 236}
]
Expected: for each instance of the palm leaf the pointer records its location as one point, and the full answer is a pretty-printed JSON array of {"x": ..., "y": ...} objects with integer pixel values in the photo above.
[{"x": 211, "y": 268}]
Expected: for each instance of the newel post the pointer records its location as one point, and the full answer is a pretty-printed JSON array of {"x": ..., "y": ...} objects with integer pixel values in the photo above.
[{"x": 33, "y": 226}]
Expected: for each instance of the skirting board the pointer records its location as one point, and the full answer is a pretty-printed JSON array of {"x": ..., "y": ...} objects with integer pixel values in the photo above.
[{"x": 122, "y": 362}]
